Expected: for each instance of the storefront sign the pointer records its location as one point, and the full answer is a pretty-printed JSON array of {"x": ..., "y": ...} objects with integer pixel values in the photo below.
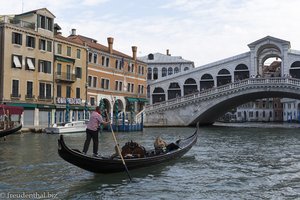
[{"x": 72, "y": 101}]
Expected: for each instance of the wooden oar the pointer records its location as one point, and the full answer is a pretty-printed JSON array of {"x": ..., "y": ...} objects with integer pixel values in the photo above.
[{"x": 119, "y": 151}]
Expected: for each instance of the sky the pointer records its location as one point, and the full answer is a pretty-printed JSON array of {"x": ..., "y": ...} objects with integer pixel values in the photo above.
[{"x": 202, "y": 31}]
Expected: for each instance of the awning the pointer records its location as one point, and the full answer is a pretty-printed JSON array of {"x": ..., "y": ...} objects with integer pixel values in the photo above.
[
  {"x": 24, "y": 105},
  {"x": 143, "y": 100},
  {"x": 30, "y": 64},
  {"x": 131, "y": 99},
  {"x": 17, "y": 62},
  {"x": 64, "y": 59}
]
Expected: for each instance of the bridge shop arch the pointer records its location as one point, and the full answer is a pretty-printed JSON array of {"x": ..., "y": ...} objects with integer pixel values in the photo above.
[
  {"x": 206, "y": 82},
  {"x": 158, "y": 95},
  {"x": 190, "y": 86},
  {"x": 223, "y": 77},
  {"x": 174, "y": 90},
  {"x": 295, "y": 70},
  {"x": 241, "y": 72}
]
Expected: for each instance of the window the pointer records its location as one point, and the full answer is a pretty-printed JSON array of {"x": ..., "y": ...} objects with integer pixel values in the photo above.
[
  {"x": 170, "y": 71},
  {"x": 29, "y": 93},
  {"x": 141, "y": 89},
  {"x": 164, "y": 72},
  {"x": 78, "y": 93},
  {"x": 42, "y": 44},
  {"x": 45, "y": 91},
  {"x": 78, "y": 53},
  {"x": 105, "y": 83},
  {"x": 90, "y": 57},
  {"x": 95, "y": 58},
  {"x": 16, "y": 61},
  {"x": 69, "y": 51},
  {"x": 89, "y": 81},
  {"x": 78, "y": 72},
  {"x": 117, "y": 64},
  {"x": 94, "y": 81},
  {"x": 68, "y": 91},
  {"x": 30, "y": 41},
  {"x": 15, "y": 88},
  {"x": 107, "y": 62},
  {"x": 118, "y": 85},
  {"x": 130, "y": 87},
  {"x": 45, "y": 66},
  {"x": 58, "y": 90},
  {"x": 68, "y": 72},
  {"x": 49, "y": 46},
  {"x": 30, "y": 63},
  {"x": 103, "y": 60},
  {"x": 130, "y": 67},
  {"x": 59, "y": 48},
  {"x": 45, "y": 22},
  {"x": 92, "y": 100},
  {"x": 17, "y": 38},
  {"x": 58, "y": 69},
  {"x": 176, "y": 70}
]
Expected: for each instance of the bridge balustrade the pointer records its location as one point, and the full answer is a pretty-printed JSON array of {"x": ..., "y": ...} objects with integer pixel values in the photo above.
[{"x": 218, "y": 91}]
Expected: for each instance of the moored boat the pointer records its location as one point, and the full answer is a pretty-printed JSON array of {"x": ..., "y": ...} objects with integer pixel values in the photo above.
[
  {"x": 114, "y": 164},
  {"x": 69, "y": 127},
  {"x": 10, "y": 119}
]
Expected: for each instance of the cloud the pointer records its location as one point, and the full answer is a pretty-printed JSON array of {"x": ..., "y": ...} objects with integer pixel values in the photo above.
[{"x": 199, "y": 30}]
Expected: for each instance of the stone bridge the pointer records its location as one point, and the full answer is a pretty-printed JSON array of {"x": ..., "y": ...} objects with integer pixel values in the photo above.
[{"x": 207, "y": 106}]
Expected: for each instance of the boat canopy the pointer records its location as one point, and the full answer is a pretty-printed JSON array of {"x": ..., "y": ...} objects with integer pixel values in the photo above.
[{"x": 13, "y": 110}]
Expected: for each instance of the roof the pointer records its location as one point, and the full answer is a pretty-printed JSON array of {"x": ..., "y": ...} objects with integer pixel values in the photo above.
[
  {"x": 163, "y": 58},
  {"x": 92, "y": 43},
  {"x": 268, "y": 38},
  {"x": 35, "y": 11}
]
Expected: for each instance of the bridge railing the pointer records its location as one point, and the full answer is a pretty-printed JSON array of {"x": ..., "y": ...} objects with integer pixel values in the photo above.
[{"x": 224, "y": 88}]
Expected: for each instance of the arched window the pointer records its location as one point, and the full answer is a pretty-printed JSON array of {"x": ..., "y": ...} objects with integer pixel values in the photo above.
[
  {"x": 158, "y": 95},
  {"x": 186, "y": 68},
  {"x": 295, "y": 70},
  {"x": 155, "y": 73},
  {"x": 149, "y": 73},
  {"x": 164, "y": 72},
  {"x": 174, "y": 90},
  {"x": 176, "y": 70},
  {"x": 170, "y": 71}
]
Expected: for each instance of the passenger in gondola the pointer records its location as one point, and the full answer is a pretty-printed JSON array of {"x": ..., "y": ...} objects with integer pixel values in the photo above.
[
  {"x": 161, "y": 146},
  {"x": 92, "y": 131}
]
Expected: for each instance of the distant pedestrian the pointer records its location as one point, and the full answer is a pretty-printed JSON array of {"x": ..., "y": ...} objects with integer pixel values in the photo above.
[{"x": 92, "y": 131}]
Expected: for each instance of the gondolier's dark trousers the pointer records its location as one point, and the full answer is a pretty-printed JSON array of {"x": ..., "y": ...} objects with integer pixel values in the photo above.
[{"x": 91, "y": 135}]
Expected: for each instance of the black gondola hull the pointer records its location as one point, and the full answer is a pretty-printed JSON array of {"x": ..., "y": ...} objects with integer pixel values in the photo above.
[
  {"x": 109, "y": 165},
  {"x": 10, "y": 131}
]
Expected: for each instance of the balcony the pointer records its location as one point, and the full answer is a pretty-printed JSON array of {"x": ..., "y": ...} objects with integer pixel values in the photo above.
[
  {"x": 45, "y": 98},
  {"x": 15, "y": 96},
  {"x": 65, "y": 77},
  {"x": 29, "y": 97}
]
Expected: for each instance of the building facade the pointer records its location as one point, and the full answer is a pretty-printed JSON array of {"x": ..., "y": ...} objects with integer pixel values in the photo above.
[
  {"x": 57, "y": 78},
  {"x": 164, "y": 65},
  {"x": 116, "y": 81}
]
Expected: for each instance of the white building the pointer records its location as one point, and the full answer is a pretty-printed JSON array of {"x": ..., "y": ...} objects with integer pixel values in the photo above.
[{"x": 164, "y": 65}]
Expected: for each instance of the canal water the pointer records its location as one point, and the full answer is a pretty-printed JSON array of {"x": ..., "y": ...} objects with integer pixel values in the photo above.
[{"x": 225, "y": 163}]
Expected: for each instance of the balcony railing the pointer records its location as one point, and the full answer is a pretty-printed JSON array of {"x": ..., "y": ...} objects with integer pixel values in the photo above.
[
  {"x": 15, "y": 96},
  {"x": 66, "y": 77},
  {"x": 29, "y": 97},
  {"x": 23, "y": 24},
  {"x": 45, "y": 98}
]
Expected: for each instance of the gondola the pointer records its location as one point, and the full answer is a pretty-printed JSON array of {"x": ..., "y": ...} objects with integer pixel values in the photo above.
[
  {"x": 9, "y": 131},
  {"x": 106, "y": 165},
  {"x": 10, "y": 119}
]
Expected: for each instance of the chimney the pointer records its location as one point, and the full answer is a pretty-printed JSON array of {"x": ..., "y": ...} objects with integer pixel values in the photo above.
[
  {"x": 168, "y": 54},
  {"x": 110, "y": 41},
  {"x": 73, "y": 31},
  {"x": 134, "y": 49}
]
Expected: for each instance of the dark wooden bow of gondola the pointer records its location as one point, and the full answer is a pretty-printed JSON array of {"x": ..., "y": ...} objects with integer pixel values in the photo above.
[{"x": 111, "y": 165}]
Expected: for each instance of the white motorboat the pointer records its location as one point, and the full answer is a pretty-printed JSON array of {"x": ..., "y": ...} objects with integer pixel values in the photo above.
[{"x": 69, "y": 127}]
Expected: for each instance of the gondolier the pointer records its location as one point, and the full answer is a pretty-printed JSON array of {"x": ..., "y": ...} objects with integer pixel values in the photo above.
[{"x": 92, "y": 131}]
